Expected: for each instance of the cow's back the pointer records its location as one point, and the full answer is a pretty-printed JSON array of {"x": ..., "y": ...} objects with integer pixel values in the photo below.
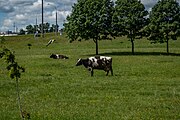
[{"x": 100, "y": 62}]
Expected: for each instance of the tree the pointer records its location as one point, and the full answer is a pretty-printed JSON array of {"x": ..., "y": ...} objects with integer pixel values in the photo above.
[
  {"x": 90, "y": 19},
  {"x": 30, "y": 29},
  {"x": 46, "y": 27},
  {"x": 14, "y": 73},
  {"x": 52, "y": 28},
  {"x": 129, "y": 19},
  {"x": 22, "y": 32},
  {"x": 164, "y": 22}
]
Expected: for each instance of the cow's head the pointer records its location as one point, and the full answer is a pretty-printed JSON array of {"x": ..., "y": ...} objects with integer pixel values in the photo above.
[
  {"x": 79, "y": 62},
  {"x": 52, "y": 56},
  {"x": 65, "y": 57}
]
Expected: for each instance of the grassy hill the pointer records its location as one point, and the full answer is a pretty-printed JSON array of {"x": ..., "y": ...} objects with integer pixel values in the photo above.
[{"x": 144, "y": 86}]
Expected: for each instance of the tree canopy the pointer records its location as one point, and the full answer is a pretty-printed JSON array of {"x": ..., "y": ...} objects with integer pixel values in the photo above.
[
  {"x": 164, "y": 22},
  {"x": 129, "y": 18},
  {"x": 90, "y": 19},
  {"x": 102, "y": 19}
]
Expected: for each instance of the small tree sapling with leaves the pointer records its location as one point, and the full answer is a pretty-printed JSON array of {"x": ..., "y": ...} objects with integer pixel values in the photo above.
[{"x": 14, "y": 73}]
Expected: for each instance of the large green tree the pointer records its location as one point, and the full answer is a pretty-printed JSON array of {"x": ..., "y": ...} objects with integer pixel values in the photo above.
[
  {"x": 90, "y": 19},
  {"x": 129, "y": 19},
  {"x": 164, "y": 22}
]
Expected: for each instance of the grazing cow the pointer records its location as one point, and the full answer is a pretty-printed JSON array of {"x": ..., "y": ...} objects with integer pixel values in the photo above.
[
  {"x": 50, "y": 42},
  {"x": 57, "y": 56},
  {"x": 97, "y": 62}
]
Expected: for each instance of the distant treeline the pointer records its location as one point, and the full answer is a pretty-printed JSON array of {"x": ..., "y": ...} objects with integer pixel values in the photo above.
[{"x": 31, "y": 29}]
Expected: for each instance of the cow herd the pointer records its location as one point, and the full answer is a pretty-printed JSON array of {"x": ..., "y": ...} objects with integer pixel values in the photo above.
[{"x": 91, "y": 63}]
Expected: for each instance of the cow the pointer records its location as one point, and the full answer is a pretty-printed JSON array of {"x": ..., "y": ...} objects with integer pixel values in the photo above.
[
  {"x": 97, "y": 62},
  {"x": 58, "y": 56}
]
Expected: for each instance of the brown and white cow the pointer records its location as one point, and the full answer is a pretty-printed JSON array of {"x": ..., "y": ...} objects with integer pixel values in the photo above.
[
  {"x": 97, "y": 62},
  {"x": 58, "y": 56}
]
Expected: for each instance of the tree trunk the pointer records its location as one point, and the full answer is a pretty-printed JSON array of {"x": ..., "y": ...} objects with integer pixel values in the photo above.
[
  {"x": 96, "y": 46},
  {"x": 132, "y": 42},
  {"x": 19, "y": 99}
]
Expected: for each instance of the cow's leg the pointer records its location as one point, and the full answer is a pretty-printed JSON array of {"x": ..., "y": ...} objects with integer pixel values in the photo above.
[
  {"x": 92, "y": 72},
  {"x": 107, "y": 73},
  {"x": 111, "y": 71}
]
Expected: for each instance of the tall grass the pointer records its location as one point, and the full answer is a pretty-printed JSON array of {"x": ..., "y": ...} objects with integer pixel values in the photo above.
[{"x": 144, "y": 86}]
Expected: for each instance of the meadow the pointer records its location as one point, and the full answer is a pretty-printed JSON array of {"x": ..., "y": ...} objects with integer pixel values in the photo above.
[{"x": 144, "y": 86}]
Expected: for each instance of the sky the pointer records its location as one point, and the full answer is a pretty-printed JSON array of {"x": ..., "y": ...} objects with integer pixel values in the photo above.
[{"x": 17, "y": 14}]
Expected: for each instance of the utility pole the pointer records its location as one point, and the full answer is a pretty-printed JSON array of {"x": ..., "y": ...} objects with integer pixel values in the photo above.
[
  {"x": 56, "y": 27},
  {"x": 14, "y": 27},
  {"x": 56, "y": 23},
  {"x": 42, "y": 27},
  {"x": 36, "y": 23}
]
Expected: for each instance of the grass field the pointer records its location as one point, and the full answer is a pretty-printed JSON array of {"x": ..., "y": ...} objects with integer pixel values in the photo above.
[{"x": 144, "y": 86}]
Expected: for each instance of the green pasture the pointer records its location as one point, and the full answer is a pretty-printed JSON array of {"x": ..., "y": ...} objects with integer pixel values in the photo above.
[{"x": 144, "y": 86}]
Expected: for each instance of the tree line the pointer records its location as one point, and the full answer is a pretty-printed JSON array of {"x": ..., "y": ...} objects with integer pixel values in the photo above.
[
  {"x": 104, "y": 19},
  {"x": 31, "y": 29}
]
